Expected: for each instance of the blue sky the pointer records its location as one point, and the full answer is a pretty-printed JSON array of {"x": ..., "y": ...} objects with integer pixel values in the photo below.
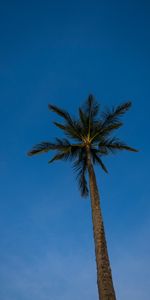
[{"x": 59, "y": 52}]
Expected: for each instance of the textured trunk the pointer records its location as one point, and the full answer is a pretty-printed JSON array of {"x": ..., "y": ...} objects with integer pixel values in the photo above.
[{"x": 104, "y": 276}]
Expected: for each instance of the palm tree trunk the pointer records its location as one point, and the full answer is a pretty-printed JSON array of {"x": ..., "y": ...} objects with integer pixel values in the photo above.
[{"x": 104, "y": 276}]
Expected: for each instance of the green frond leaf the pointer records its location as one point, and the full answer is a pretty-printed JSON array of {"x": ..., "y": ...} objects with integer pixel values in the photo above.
[
  {"x": 66, "y": 150},
  {"x": 112, "y": 116},
  {"x": 83, "y": 184},
  {"x": 101, "y": 131},
  {"x": 83, "y": 119},
  {"x": 71, "y": 127},
  {"x": 62, "y": 113},
  {"x": 60, "y": 125},
  {"x": 101, "y": 164},
  {"x": 62, "y": 142},
  {"x": 110, "y": 128},
  {"x": 74, "y": 131},
  {"x": 80, "y": 167},
  {"x": 119, "y": 146},
  {"x": 121, "y": 109},
  {"x": 41, "y": 148},
  {"x": 75, "y": 151},
  {"x": 97, "y": 159},
  {"x": 59, "y": 156},
  {"x": 102, "y": 151},
  {"x": 91, "y": 107},
  {"x": 114, "y": 144}
]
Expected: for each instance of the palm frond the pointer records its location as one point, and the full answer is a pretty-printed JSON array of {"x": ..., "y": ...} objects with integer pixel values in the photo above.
[
  {"x": 121, "y": 109},
  {"x": 75, "y": 151},
  {"x": 66, "y": 151},
  {"x": 110, "y": 128},
  {"x": 112, "y": 116},
  {"x": 72, "y": 127},
  {"x": 91, "y": 107},
  {"x": 74, "y": 131},
  {"x": 83, "y": 119},
  {"x": 71, "y": 132},
  {"x": 60, "y": 156},
  {"x": 63, "y": 127},
  {"x": 80, "y": 167},
  {"x": 114, "y": 144},
  {"x": 96, "y": 159},
  {"x": 61, "y": 112},
  {"x": 122, "y": 146},
  {"x": 100, "y": 130},
  {"x": 62, "y": 142},
  {"x": 41, "y": 148},
  {"x": 83, "y": 183},
  {"x": 102, "y": 151}
]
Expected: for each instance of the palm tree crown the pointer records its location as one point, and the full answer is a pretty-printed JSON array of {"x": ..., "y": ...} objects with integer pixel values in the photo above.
[{"x": 92, "y": 130}]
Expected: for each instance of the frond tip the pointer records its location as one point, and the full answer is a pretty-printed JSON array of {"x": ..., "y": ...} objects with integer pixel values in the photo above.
[
  {"x": 96, "y": 157},
  {"x": 41, "y": 148},
  {"x": 62, "y": 113}
]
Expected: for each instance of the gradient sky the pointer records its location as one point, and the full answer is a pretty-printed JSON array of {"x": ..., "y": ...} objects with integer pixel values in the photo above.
[{"x": 59, "y": 52}]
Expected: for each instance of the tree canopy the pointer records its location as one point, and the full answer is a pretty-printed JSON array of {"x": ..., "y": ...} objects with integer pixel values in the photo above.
[{"x": 92, "y": 129}]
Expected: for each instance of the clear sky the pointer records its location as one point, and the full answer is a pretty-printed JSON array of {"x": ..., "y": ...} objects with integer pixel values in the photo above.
[{"x": 58, "y": 52}]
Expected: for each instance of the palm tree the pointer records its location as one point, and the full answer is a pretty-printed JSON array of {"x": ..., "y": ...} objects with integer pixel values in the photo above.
[{"x": 90, "y": 138}]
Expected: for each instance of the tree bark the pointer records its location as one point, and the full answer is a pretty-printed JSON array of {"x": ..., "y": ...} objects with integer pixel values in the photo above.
[{"x": 104, "y": 276}]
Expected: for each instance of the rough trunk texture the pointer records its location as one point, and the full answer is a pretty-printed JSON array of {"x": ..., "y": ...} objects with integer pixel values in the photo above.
[{"x": 104, "y": 276}]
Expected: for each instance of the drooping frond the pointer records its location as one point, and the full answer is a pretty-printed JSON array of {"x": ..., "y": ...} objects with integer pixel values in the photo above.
[
  {"x": 60, "y": 156},
  {"x": 96, "y": 156},
  {"x": 82, "y": 181},
  {"x": 80, "y": 167},
  {"x": 41, "y": 148}
]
